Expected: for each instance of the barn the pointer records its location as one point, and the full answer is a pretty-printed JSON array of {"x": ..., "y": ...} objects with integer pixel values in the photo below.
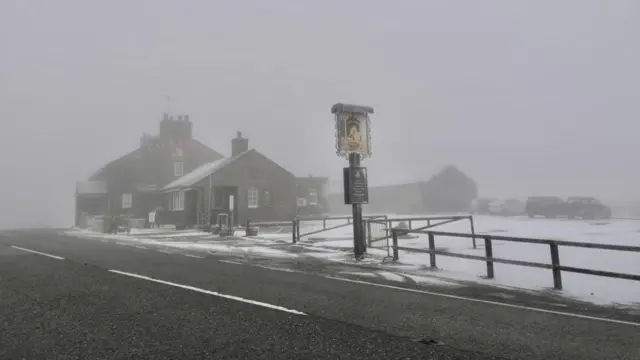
[{"x": 450, "y": 190}]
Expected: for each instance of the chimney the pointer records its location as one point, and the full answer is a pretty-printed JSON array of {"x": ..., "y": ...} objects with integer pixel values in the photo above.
[
  {"x": 145, "y": 139},
  {"x": 239, "y": 145}
]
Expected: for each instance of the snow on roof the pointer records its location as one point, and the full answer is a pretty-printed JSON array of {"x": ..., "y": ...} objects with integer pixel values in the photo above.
[{"x": 201, "y": 172}]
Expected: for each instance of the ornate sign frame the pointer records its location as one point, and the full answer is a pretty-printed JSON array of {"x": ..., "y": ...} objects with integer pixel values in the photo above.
[{"x": 352, "y": 129}]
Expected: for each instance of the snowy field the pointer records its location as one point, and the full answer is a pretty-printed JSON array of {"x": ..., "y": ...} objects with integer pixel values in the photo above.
[{"x": 586, "y": 287}]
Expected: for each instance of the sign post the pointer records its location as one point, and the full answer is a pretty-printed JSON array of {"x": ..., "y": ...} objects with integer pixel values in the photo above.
[
  {"x": 353, "y": 141},
  {"x": 231, "y": 219}
]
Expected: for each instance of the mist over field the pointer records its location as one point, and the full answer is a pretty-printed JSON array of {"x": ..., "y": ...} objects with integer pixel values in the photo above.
[{"x": 527, "y": 97}]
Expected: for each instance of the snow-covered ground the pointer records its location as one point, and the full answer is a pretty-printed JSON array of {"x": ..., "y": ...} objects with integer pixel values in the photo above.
[
  {"x": 587, "y": 287},
  {"x": 328, "y": 245}
]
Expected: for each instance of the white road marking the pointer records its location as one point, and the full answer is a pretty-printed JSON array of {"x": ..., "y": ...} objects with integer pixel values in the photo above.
[
  {"x": 614, "y": 321},
  {"x": 194, "y": 256},
  {"x": 208, "y": 292},
  {"x": 123, "y": 244},
  {"x": 140, "y": 247},
  {"x": 231, "y": 262},
  {"x": 38, "y": 252},
  {"x": 391, "y": 276},
  {"x": 495, "y": 303},
  {"x": 166, "y": 251}
]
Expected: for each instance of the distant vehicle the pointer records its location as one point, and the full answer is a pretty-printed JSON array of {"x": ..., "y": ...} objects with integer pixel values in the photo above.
[
  {"x": 587, "y": 208},
  {"x": 508, "y": 207},
  {"x": 481, "y": 205},
  {"x": 547, "y": 206}
]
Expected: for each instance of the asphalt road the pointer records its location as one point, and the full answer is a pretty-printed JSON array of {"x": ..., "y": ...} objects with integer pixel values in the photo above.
[{"x": 97, "y": 300}]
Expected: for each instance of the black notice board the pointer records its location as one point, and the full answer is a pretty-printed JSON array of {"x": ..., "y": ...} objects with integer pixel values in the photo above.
[{"x": 356, "y": 188}]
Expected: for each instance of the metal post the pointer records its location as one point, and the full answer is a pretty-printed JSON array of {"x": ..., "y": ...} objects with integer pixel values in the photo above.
[
  {"x": 394, "y": 236},
  {"x": 297, "y": 229},
  {"x": 473, "y": 231},
  {"x": 364, "y": 236},
  {"x": 555, "y": 261},
  {"x": 358, "y": 230},
  {"x": 293, "y": 231},
  {"x": 488, "y": 248},
  {"x": 432, "y": 248},
  {"x": 324, "y": 223},
  {"x": 369, "y": 236}
]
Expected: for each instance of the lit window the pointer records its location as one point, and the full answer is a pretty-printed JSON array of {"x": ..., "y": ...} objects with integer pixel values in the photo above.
[
  {"x": 252, "y": 197},
  {"x": 178, "y": 168},
  {"x": 127, "y": 201},
  {"x": 302, "y": 202},
  {"x": 177, "y": 202},
  {"x": 313, "y": 197}
]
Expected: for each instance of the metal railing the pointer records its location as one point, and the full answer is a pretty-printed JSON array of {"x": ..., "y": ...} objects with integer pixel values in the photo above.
[
  {"x": 431, "y": 222},
  {"x": 554, "y": 266},
  {"x": 296, "y": 224}
]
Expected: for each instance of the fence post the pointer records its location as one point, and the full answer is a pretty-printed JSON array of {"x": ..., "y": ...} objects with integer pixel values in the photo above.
[
  {"x": 473, "y": 231},
  {"x": 297, "y": 229},
  {"x": 394, "y": 236},
  {"x": 369, "y": 236},
  {"x": 555, "y": 262},
  {"x": 488, "y": 248},
  {"x": 324, "y": 223},
  {"x": 364, "y": 241},
  {"x": 429, "y": 222},
  {"x": 293, "y": 231},
  {"x": 409, "y": 224},
  {"x": 432, "y": 248}
]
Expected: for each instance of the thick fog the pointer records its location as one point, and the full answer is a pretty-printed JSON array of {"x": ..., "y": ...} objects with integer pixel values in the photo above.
[{"x": 527, "y": 97}]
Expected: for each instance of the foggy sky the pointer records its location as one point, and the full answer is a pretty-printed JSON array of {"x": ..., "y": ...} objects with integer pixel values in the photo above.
[{"x": 528, "y": 97}]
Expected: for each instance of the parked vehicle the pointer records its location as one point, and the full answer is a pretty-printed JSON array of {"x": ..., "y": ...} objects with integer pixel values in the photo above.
[
  {"x": 547, "y": 206},
  {"x": 508, "y": 207},
  {"x": 587, "y": 208},
  {"x": 481, "y": 205}
]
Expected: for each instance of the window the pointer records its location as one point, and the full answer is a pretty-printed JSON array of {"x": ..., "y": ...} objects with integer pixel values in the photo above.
[
  {"x": 266, "y": 198},
  {"x": 177, "y": 201},
  {"x": 127, "y": 201},
  {"x": 178, "y": 168},
  {"x": 302, "y": 202},
  {"x": 313, "y": 197},
  {"x": 252, "y": 197}
]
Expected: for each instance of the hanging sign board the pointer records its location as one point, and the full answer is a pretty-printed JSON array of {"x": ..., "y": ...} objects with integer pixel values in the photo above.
[{"x": 353, "y": 130}]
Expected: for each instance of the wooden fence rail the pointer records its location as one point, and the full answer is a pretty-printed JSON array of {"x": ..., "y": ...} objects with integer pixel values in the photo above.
[{"x": 555, "y": 265}]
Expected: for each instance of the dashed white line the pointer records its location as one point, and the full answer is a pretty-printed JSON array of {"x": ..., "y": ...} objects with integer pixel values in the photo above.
[
  {"x": 166, "y": 251},
  {"x": 38, "y": 252},
  {"x": 208, "y": 292}
]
